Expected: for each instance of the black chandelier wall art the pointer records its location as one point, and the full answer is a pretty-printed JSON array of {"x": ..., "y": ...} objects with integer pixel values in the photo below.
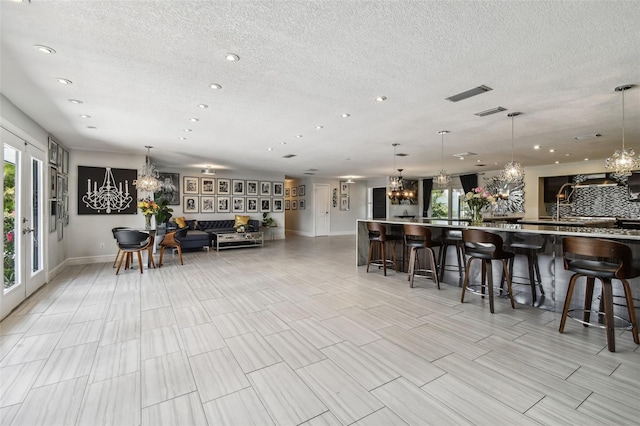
[{"x": 106, "y": 190}]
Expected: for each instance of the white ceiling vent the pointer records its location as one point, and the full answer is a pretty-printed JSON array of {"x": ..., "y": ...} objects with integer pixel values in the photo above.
[
  {"x": 490, "y": 111},
  {"x": 469, "y": 93},
  {"x": 464, "y": 154},
  {"x": 585, "y": 137},
  {"x": 289, "y": 156}
]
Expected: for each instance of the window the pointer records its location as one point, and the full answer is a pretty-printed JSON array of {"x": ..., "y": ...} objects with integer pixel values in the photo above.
[{"x": 447, "y": 203}]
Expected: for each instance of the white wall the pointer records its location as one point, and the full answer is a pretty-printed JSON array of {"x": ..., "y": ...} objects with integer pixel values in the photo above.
[{"x": 342, "y": 222}]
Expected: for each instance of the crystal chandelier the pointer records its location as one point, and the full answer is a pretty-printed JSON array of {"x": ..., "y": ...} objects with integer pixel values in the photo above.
[
  {"x": 148, "y": 176},
  {"x": 443, "y": 178},
  {"x": 396, "y": 183},
  {"x": 513, "y": 171},
  {"x": 623, "y": 161}
]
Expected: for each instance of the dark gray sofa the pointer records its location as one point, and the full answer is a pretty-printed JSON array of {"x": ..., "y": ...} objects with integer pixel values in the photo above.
[{"x": 201, "y": 232}]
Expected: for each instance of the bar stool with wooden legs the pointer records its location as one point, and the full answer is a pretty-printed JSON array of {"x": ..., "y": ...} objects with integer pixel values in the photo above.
[
  {"x": 451, "y": 237},
  {"x": 486, "y": 247},
  {"x": 378, "y": 237},
  {"x": 416, "y": 238},
  {"x": 528, "y": 245},
  {"x": 605, "y": 260}
]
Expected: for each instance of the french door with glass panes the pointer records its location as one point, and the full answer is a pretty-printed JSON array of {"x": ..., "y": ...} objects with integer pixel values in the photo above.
[{"x": 23, "y": 211}]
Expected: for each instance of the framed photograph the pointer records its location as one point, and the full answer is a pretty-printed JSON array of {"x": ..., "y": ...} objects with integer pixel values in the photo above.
[
  {"x": 237, "y": 204},
  {"x": 294, "y": 191},
  {"x": 287, "y": 192},
  {"x": 207, "y": 204},
  {"x": 172, "y": 180},
  {"x": 60, "y": 158},
  {"x": 278, "y": 205},
  {"x": 344, "y": 203},
  {"x": 59, "y": 227},
  {"x": 265, "y": 204},
  {"x": 238, "y": 187},
  {"x": 301, "y": 191},
  {"x": 294, "y": 205},
  {"x": 190, "y": 185},
  {"x": 65, "y": 162},
  {"x": 207, "y": 185},
  {"x": 251, "y": 187},
  {"x": 53, "y": 183},
  {"x": 287, "y": 205},
  {"x": 265, "y": 188},
  {"x": 301, "y": 205},
  {"x": 190, "y": 204},
  {"x": 224, "y": 187},
  {"x": 53, "y": 210},
  {"x": 278, "y": 189},
  {"x": 224, "y": 205},
  {"x": 66, "y": 209},
  {"x": 59, "y": 187},
  {"x": 251, "y": 204},
  {"x": 344, "y": 187},
  {"x": 53, "y": 151}
]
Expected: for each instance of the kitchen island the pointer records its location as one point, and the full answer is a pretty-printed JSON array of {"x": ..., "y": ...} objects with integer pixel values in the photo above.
[{"x": 553, "y": 275}]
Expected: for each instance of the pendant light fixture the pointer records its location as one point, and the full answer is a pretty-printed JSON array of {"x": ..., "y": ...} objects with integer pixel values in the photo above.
[
  {"x": 443, "y": 178},
  {"x": 396, "y": 183},
  {"x": 623, "y": 161},
  {"x": 513, "y": 171},
  {"x": 148, "y": 175}
]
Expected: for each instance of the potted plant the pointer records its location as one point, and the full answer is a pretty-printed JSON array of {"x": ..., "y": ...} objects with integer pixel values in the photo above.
[
  {"x": 267, "y": 221},
  {"x": 164, "y": 212}
]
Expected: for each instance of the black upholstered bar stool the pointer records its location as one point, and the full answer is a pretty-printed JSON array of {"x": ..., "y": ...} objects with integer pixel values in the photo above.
[
  {"x": 378, "y": 237},
  {"x": 486, "y": 247},
  {"x": 417, "y": 238},
  {"x": 451, "y": 237},
  {"x": 605, "y": 260},
  {"x": 527, "y": 245}
]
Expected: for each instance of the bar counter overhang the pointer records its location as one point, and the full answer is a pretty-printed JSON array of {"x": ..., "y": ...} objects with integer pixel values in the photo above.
[{"x": 555, "y": 278}]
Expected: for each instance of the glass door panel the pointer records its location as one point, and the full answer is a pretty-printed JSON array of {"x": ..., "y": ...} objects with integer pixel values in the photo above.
[{"x": 12, "y": 275}]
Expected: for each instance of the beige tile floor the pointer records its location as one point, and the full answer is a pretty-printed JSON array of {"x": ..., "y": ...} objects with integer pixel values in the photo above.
[{"x": 294, "y": 333}]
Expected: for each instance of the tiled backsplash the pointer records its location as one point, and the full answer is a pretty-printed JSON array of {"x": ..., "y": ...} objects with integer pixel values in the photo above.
[{"x": 610, "y": 201}]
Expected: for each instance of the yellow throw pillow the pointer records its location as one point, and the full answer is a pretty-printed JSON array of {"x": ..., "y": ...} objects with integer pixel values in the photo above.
[
  {"x": 181, "y": 222},
  {"x": 241, "y": 221}
]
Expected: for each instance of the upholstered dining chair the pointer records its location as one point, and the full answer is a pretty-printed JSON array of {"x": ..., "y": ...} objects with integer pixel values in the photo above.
[
  {"x": 131, "y": 241},
  {"x": 172, "y": 241},
  {"x": 113, "y": 231}
]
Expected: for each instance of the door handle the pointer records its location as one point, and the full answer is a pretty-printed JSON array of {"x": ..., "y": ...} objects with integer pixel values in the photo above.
[{"x": 27, "y": 230}]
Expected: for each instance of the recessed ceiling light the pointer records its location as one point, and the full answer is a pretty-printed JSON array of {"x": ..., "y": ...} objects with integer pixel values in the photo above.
[
  {"x": 462, "y": 158},
  {"x": 269, "y": 149},
  {"x": 182, "y": 138},
  {"x": 298, "y": 136},
  {"x": 381, "y": 98},
  {"x": 232, "y": 57},
  {"x": 215, "y": 86},
  {"x": 536, "y": 147},
  {"x": 345, "y": 115},
  {"x": 567, "y": 155},
  {"x": 75, "y": 101},
  {"x": 319, "y": 127},
  {"x": 193, "y": 120},
  {"x": 557, "y": 162},
  {"x": 203, "y": 106},
  {"x": 187, "y": 130},
  {"x": 44, "y": 49},
  {"x": 586, "y": 159},
  {"x": 208, "y": 171},
  {"x": 84, "y": 116},
  {"x": 478, "y": 161},
  {"x": 283, "y": 143},
  {"x": 552, "y": 150},
  {"x": 64, "y": 81}
]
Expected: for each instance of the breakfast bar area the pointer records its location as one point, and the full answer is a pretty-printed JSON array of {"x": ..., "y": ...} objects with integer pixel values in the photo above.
[{"x": 550, "y": 276}]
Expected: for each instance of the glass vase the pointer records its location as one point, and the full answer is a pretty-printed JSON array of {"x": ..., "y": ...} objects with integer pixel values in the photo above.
[
  {"x": 147, "y": 222},
  {"x": 476, "y": 216}
]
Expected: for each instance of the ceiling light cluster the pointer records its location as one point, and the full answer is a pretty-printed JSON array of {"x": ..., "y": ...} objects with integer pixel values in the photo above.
[
  {"x": 624, "y": 160},
  {"x": 513, "y": 171},
  {"x": 443, "y": 179},
  {"x": 148, "y": 176}
]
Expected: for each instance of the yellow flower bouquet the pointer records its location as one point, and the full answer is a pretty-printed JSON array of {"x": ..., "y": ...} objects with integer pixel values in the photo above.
[{"x": 148, "y": 208}]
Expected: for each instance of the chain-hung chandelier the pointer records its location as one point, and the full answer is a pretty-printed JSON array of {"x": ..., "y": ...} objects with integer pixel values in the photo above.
[
  {"x": 148, "y": 175},
  {"x": 443, "y": 179},
  {"x": 513, "y": 171},
  {"x": 396, "y": 183},
  {"x": 623, "y": 161}
]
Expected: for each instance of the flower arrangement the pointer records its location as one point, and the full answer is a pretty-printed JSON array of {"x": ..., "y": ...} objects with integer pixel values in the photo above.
[
  {"x": 148, "y": 208},
  {"x": 477, "y": 199}
]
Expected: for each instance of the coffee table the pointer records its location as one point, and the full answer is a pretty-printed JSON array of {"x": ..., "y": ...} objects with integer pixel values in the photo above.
[{"x": 227, "y": 240}]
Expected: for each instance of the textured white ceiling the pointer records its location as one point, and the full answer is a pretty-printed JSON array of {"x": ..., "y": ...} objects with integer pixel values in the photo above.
[{"x": 142, "y": 67}]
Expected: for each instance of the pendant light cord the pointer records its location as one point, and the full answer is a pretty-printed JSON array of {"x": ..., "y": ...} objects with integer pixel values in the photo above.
[
  {"x": 623, "y": 120},
  {"x": 512, "y": 117}
]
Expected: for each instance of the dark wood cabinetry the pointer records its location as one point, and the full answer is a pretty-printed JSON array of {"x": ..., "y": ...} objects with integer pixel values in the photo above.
[{"x": 552, "y": 185}]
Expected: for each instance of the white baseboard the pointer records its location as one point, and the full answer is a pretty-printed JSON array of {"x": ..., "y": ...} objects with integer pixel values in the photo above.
[
  {"x": 52, "y": 273},
  {"x": 343, "y": 233},
  {"x": 301, "y": 233},
  {"x": 85, "y": 260}
]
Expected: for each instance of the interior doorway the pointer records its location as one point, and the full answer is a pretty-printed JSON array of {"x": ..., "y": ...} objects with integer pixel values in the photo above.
[
  {"x": 321, "y": 210},
  {"x": 379, "y": 204}
]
